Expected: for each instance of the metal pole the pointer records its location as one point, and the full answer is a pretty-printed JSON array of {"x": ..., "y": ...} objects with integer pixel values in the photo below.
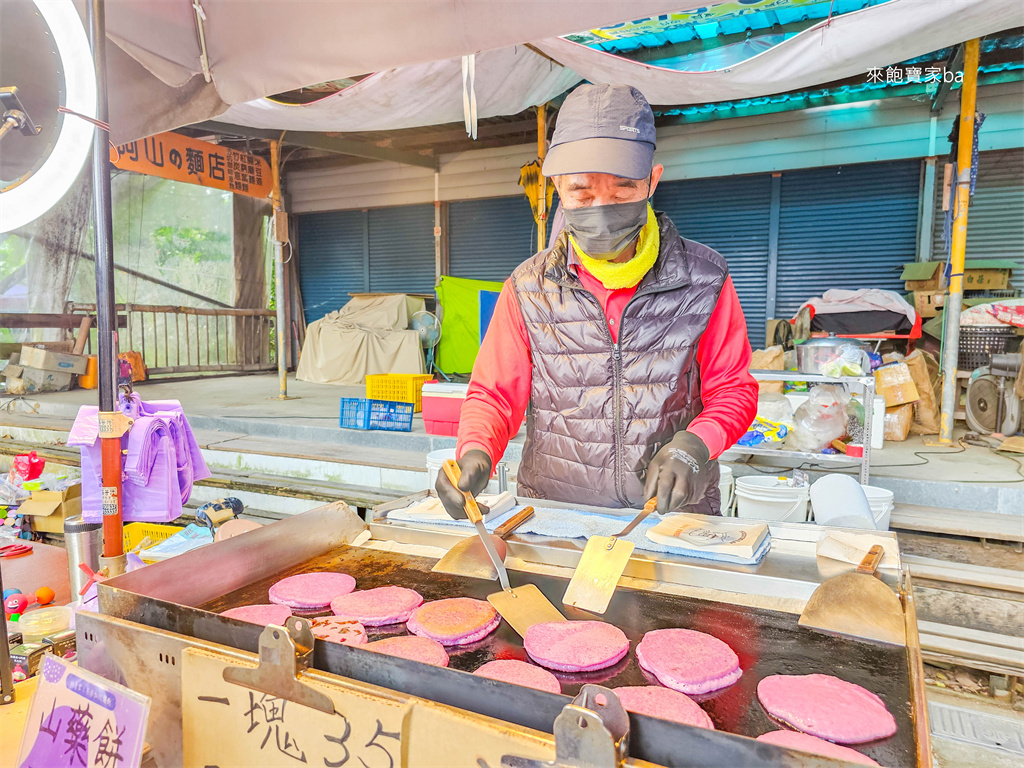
[
  {"x": 106, "y": 311},
  {"x": 279, "y": 219},
  {"x": 968, "y": 100},
  {"x": 542, "y": 203}
]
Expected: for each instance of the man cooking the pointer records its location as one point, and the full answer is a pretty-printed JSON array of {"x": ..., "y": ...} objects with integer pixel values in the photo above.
[{"x": 626, "y": 339}]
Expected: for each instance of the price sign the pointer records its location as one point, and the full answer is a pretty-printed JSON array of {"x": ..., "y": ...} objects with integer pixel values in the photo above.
[
  {"x": 228, "y": 726},
  {"x": 78, "y": 718}
]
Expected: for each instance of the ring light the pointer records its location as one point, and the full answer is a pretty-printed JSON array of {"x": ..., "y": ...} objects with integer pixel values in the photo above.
[{"x": 43, "y": 189}]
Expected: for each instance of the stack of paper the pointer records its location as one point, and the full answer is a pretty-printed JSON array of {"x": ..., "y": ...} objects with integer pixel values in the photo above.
[
  {"x": 185, "y": 540},
  {"x": 430, "y": 508},
  {"x": 713, "y": 538}
]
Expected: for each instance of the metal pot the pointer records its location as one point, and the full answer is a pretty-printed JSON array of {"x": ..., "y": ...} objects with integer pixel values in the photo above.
[{"x": 812, "y": 354}]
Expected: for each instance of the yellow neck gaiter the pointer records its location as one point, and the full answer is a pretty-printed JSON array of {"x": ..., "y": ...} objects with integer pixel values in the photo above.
[{"x": 627, "y": 274}]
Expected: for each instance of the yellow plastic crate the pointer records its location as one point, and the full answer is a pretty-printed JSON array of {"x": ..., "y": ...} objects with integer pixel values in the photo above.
[
  {"x": 398, "y": 387},
  {"x": 136, "y": 532}
]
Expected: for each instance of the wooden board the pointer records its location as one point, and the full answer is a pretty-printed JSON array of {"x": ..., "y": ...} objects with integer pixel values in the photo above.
[
  {"x": 226, "y": 725},
  {"x": 982, "y": 525}
]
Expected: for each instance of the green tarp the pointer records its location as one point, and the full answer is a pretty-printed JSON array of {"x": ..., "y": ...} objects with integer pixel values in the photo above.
[{"x": 460, "y": 322}]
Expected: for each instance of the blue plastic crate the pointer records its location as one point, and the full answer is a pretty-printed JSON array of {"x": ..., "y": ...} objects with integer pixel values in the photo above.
[{"x": 359, "y": 413}]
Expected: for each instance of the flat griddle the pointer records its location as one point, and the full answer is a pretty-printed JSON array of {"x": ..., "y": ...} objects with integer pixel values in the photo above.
[{"x": 767, "y": 643}]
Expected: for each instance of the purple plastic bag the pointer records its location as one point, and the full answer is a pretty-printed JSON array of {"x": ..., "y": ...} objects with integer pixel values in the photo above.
[{"x": 162, "y": 461}]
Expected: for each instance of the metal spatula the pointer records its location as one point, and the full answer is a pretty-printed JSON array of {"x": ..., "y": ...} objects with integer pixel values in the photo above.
[
  {"x": 601, "y": 565},
  {"x": 469, "y": 558},
  {"x": 857, "y": 604},
  {"x": 523, "y": 606}
]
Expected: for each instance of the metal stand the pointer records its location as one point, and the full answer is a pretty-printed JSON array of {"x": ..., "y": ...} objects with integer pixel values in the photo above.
[
  {"x": 592, "y": 732},
  {"x": 6, "y": 678},
  {"x": 867, "y": 385},
  {"x": 106, "y": 310},
  {"x": 284, "y": 654}
]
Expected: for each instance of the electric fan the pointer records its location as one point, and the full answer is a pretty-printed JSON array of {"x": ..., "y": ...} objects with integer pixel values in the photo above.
[{"x": 428, "y": 327}]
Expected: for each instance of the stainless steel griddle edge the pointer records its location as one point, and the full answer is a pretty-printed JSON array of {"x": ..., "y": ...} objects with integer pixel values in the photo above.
[{"x": 166, "y": 597}]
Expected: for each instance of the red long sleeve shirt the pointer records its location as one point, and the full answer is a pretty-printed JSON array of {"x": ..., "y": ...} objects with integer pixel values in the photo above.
[{"x": 499, "y": 390}]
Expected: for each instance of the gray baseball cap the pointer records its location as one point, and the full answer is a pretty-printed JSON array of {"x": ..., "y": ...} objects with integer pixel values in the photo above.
[{"x": 603, "y": 129}]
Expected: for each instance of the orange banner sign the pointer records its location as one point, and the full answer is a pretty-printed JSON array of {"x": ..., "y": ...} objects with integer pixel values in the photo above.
[{"x": 177, "y": 157}]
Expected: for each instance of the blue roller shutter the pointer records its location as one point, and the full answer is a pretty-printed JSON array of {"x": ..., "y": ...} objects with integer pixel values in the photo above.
[
  {"x": 995, "y": 218},
  {"x": 850, "y": 226},
  {"x": 730, "y": 215},
  {"x": 489, "y": 238},
  {"x": 331, "y": 263},
  {"x": 402, "y": 249}
]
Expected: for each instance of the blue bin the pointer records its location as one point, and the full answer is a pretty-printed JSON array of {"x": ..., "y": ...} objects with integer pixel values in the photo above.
[{"x": 360, "y": 413}]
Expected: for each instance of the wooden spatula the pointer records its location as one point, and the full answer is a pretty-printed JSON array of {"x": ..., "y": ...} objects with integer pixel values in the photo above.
[{"x": 857, "y": 604}]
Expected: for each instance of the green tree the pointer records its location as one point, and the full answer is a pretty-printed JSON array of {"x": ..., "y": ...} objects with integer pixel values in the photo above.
[{"x": 190, "y": 244}]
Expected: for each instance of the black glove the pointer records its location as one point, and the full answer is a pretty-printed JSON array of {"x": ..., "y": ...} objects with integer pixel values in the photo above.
[
  {"x": 679, "y": 473},
  {"x": 476, "y": 473}
]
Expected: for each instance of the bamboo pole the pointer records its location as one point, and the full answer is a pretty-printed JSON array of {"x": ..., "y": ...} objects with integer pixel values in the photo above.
[
  {"x": 965, "y": 148},
  {"x": 542, "y": 202},
  {"x": 282, "y": 363}
]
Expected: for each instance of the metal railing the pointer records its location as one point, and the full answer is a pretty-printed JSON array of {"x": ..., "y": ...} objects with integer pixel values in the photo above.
[{"x": 196, "y": 339}]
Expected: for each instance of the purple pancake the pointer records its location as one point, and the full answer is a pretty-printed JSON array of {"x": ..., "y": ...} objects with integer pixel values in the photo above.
[
  {"x": 260, "y": 614},
  {"x": 377, "y": 607},
  {"x": 520, "y": 673},
  {"x": 688, "y": 661},
  {"x": 421, "y": 649},
  {"x": 655, "y": 701},
  {"x": 454, "y": 621},
  {"x": 575, "y": 646},
  {"x": 310, "y": 591}
]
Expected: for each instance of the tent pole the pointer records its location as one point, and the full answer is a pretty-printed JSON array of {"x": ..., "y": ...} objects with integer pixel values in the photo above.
[
  {"x": 542, "y": 201},
  {"x": 279, "y": 298},
  {"x": 965, "y": 148},
  {"x": 111, "y": 426}
]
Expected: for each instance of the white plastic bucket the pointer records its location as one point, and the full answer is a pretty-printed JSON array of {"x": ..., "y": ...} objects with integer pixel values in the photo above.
[
  {"x": 768, "y": 498},
  {"x": 726, "y": 486},
  {"x": 881, "y": 502},
  {"x": 434, "y": 461}
]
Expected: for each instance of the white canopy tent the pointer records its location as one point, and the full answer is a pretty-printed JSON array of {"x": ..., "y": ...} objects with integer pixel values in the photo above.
[
  {"x": 514, "y": 78},
  {"x": 508, "y": 81},
  {"x": 177, "y": 62},
  {"x": 837, "y": 48}
]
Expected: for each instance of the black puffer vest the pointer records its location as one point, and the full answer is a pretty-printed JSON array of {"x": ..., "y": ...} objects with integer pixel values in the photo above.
[{"x": 601, "y": 410}]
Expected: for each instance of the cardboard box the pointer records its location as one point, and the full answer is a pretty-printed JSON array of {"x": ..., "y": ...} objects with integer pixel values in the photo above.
[
  {"x": 48, "y": 509},
  {"x": 894, "y": 383},
  {"x": 928, "y": 303},
  {"x": 32, "y": 380},
  {"x": 27, "y": 659},
  {"x": 979, "y": 275},
  {"x": 47, "y": 360},
  {"x": 62, "y": 644}
]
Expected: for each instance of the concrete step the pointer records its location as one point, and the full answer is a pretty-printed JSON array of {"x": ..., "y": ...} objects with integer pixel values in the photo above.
[
  {"x": 356, "y": 465},
  {"x": 273, "y": 495},
  {"x": 318, "y": 429}
]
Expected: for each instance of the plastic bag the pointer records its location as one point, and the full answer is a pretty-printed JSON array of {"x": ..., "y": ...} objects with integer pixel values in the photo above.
[
  {"x": 775, "y": 408},
  {"x": 764, "y": 433},
  {"x": 26, "y": 466},
  {"x": 849, "y": 361},
  {"x": 11, "y": 494},
  {"x": 820, "y": 420}
]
